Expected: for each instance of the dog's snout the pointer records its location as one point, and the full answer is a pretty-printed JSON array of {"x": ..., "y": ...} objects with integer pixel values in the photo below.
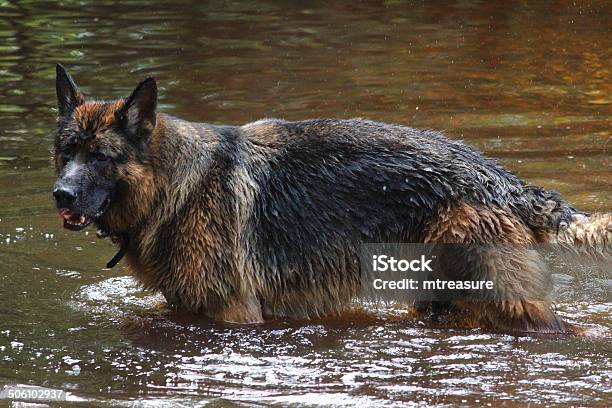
[{"x": 64, "y": 196}]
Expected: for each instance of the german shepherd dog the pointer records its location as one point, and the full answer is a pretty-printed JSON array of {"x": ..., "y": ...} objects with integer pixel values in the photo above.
[{"x": 265, "y": 220}]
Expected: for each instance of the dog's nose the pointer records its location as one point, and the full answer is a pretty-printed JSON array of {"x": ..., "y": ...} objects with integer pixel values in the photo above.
[{"x": 64, "y": 196}]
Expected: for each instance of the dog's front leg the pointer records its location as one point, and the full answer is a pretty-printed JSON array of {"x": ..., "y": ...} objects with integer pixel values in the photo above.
[{"x": 243, "y": 310}]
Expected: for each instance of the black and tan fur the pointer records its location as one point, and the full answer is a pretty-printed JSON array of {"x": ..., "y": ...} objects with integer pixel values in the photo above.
[{"x": 263, "y": 221}]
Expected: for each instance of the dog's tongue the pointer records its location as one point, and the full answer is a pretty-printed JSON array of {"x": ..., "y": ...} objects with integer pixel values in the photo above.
[
  {"x": 74, "y": 221},
  {"x": 65, "y": 213}
]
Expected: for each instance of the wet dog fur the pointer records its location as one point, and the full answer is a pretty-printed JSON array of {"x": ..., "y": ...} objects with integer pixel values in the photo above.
[{"x": 265, "y": 220}]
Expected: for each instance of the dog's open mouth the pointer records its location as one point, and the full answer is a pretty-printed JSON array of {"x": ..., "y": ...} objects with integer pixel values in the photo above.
[{"x": 75, "y": 221}]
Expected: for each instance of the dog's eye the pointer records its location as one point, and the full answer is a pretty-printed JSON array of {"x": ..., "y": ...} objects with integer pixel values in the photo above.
[{"x": 100, "y": 156}]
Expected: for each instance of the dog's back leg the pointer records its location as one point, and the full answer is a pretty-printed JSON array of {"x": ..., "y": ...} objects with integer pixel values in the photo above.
[{"x": 493, "y": 245}]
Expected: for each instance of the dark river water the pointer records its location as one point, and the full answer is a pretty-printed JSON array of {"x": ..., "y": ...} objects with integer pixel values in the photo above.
[{"x": 526, "y": 82}]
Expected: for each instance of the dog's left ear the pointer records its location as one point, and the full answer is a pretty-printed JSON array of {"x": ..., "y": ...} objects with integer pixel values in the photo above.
[
  {"x": 68, "y": 94},
  {"x": 137, "y": 116}
]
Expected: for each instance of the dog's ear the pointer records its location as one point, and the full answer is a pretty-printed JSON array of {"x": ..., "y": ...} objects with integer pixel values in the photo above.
[
  {"x": 137, "y": 116},
  {"x": 68, "y": 94}
]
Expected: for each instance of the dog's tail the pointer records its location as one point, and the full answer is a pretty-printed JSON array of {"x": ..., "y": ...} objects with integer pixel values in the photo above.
[
  {"x": 591, "y": 233},
  {"x": 556, "y": 221}
]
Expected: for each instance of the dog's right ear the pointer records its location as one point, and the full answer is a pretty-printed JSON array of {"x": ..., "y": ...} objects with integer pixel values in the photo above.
[{"x": 68, "y": 94}]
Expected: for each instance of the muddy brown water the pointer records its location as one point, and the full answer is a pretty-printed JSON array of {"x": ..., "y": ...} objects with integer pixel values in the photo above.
[{"x": 528, "y": 83}]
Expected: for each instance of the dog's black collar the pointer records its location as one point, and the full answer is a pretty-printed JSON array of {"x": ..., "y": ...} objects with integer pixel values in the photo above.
[{"x": 123, "y": 247}]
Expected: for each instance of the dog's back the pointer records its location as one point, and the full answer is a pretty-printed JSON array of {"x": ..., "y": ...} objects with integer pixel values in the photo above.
[{"x": 417, "y": 172}]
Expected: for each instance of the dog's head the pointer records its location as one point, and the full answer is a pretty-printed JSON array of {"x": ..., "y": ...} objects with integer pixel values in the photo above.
[{"x": 100, "y": 149}]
